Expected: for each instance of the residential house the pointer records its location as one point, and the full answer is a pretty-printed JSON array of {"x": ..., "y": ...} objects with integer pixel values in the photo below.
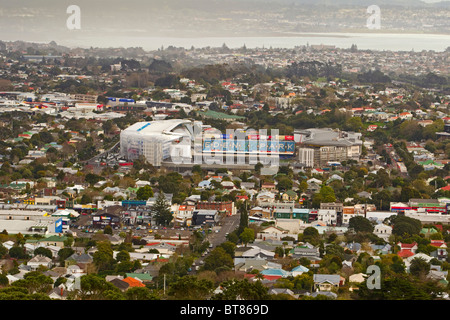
[
  {"x": 82, "y": 260},
  {"x": 268, "y": 187},
  {"x": 289, "y": 292},
  {"x": 383, "y": 231},
  {"x": 329, "y": 217},
  {"x": 251, "y": 264},
  {"x": 312, "y": 254},
  {"x": 407, "y": 261},
  {"x": 133, "y": 282},
  {"x": 357, "y": 278},
  {"x": 260, "y": 212},
  {"x": 56, "y": 240},
  {"x": 289, "y": 195},
  {"x": 120, "y": 284},
  {"x": 144, "y": 277},
  {"x": 382, "y": 249},
  {"x": 275, "y": 272},
  {"x": 58, "y": 293},
  {"x": 243, "y": 254},
  {"x": 271, "y": 232},
  {"x": 441, "y": 252},
  {"x": 439, "y": 276},
  {"x": 229, "y": 185},
  {"x": 335, "y": 177},
  {"x": 265, "y": 196},
  {"x": 38, "y": 261},
  {"x": 327, "y": 282},
  {"x": 328, "y": 294},
  {"x": 412, "y": 247},
  {"x": 299, "y": 270}
]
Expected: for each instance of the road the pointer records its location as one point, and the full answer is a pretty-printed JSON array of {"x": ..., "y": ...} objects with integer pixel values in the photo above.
[{"x": 227, "y": 225}]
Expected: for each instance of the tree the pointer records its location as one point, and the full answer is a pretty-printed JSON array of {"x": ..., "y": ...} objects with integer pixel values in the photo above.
[
  {"x": 161, "y": 210},
  {"x": 326, "y": 194},
  {"x": 94, "y": 287},
  {"x": 360, "y": 224},
  {"x": 243, "y": 219},
  {"x": 103, "y": 257},
  {"x": 44, "y": 252},
  {"x": 140, "y": 293},
  {"x": 242, "y": 289},
  {"x": 108, "y": 229},
  {"x": 405, "y": 226},
  {"x": 229, "y": 247},
  {"x": 284, "y": 184},
  {"x": 35, "y": 282},
  {"x": 311, "y": 235},
  {"x": 419, "y": 267},
  {"x": 65, "y": 253},
  {"x": 144, "y": 193},
  {"x": 247, "y": 236},
  {"x": 217, "y": 258},
  {"x": 399, "y": 287},
  {"x": 92, "y": 178},
  {"x": 17, "y": 252},
  {"x": 191, "y": 288},
  {"x": 123, "y": 255}
]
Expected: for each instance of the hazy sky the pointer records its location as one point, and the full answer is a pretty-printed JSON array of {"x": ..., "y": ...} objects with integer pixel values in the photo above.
[{"x": 113, "y": 22}]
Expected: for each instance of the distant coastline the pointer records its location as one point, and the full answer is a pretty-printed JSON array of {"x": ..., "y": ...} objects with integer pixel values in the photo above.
[{"x": 363, "y": 40}]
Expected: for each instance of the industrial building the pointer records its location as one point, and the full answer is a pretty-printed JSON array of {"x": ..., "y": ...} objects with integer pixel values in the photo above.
[{"x": 30, "y": 222}]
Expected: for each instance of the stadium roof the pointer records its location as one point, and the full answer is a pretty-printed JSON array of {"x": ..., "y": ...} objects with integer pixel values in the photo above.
[{"x": 156, "y": 127}]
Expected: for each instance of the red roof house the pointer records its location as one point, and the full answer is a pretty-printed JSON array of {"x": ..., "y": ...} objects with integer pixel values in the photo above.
[
  {"x": 133, "y": 282},
  {"x": 408, "y": 246}
]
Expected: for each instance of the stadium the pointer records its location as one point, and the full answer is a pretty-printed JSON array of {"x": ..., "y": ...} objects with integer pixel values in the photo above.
[{"x": 181, "y": 141}]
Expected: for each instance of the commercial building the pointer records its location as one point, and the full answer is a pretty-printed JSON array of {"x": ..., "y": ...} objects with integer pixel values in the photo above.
[
  {"x": 204, "y": 217},
  {"x": 30, "y": 222},
  {"x": 319, "y": 147}
]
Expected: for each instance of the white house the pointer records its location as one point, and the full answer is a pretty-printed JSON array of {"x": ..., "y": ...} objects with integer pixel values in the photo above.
[
  {"x": 298, "y": 271},
  {"x": 382, "y": 231},
  {"x": 39, "y": 260},
  {"x": 409, "y": 260},
  {"x": 357, "y": 278},
  {"x": 327, "y": 216},
  {"x": 142, "y": 183}
]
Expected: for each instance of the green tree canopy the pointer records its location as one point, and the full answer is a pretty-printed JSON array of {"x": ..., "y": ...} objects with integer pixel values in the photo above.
[
  {"x": 360, "y": 224},
  {"x": 144, "y": 193},
  {"x": 161, "y": 210}
]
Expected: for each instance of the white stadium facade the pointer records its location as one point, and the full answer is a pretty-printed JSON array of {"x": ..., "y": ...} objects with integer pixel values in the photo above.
[
  {"x": 157, "y": 140},
  {"x": 188, "y": 142}
]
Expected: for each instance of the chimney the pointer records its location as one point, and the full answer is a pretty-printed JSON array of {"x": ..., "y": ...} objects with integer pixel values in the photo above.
[{"x": 62, "y": 290}]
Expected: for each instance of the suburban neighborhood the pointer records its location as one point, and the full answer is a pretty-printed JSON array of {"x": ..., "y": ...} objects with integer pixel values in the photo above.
[{"x": 120, "y": 180}]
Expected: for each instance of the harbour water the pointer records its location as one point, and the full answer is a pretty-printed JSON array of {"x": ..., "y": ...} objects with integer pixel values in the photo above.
[{"x": 364, "y": 41}]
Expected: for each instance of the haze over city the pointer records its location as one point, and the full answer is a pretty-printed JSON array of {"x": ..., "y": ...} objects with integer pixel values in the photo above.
[{"x": 151, "y": 24}]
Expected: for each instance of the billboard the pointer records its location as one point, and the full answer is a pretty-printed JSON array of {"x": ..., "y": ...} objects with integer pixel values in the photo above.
[
  {"x": 249, "y": 146},
  {"x": 59, "y": 225}
]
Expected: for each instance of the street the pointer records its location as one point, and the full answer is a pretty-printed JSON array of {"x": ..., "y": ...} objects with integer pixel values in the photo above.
[{"x": 227, "y": 225}]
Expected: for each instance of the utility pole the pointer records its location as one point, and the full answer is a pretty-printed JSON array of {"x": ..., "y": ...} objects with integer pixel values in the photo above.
[{"x": 164, "y": 284}]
